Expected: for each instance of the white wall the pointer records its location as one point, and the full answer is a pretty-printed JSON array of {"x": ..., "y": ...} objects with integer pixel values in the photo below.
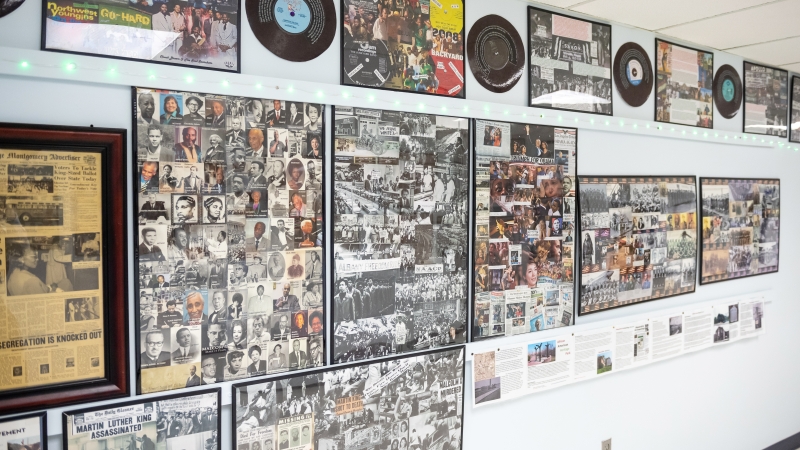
[{"x": 741, "y": 396}]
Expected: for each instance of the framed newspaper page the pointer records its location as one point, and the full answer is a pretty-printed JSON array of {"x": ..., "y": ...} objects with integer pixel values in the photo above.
[
  {"x": 174, "y": 422},
  {"x": 684, "y": 81},
  {"x": 202, "y": 34},
  {"x": 794, "y": 117},
  {"x": 405, "y": 402},
  {"x": 24, "y": 432},
  {"x": 408, "y": 46},
  {"x": 229, "y": 242},
  {"x": 639, "y": 237},
  {"x": 524, "y": 228},
  {"x": 569, "y": 63},
  {"x": 63, "y": 319},
  {"x": 766, "y": 100},
  {"x": 400, "y": 232},
  {"x": 741, "y": 228}
]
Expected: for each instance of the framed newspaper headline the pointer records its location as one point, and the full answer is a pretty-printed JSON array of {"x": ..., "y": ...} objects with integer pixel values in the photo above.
[
  {"x": 202, "y": 34},
  {"x": 569, "y": 63},
  {"x": 24, "y": 432},
  {"x": 684, "y": 81},
  {"x": 400, "y": 232},
  {"x": 741, "y": 228},
  {"x": 404, "y": 402},
  {"x": 63, "y": 320},
  {"x": 524, "y": 228},
  {"x": 638, "y": 239},
  {"x": 766, "y": 100},
  {"x": 229, "y": 249},
  {"x": 794, "y": 115},
  {"x": 184, "y": 421},
  {"x": 408, "y": 46}
]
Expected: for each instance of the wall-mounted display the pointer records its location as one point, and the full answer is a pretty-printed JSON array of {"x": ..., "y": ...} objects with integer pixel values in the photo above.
[
  {"x": 24, "y": 432},
  {"x": 404, "y": 46},
  {"x": 293, "y": 30},
  {"x": 638, "y": 239},
  {"x": 741, "y": 228},
  {"x": 496, "y": 53},
  {"x": 63, "y": 323},
  {"x": 794, "y": 121},
  {"x": 524, "y": 227},
  {"x": 633, "y": 74},
  {"x": 410, "y": 402},
  {"x": 229, "y": 237},
  {"x": 766, "y": 100},
  {"x": 684, "y": 78},
  {"x": 728, "y": 91},
  {"x": 570, "y": 63},
  {"x": 200, "y": 34},
  {"x": 400, "y": 233},
  {"x": 174, "y": 422}
]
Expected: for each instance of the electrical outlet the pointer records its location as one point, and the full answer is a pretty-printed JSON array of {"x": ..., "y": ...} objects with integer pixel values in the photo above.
[{"x": 606, "y": 445}]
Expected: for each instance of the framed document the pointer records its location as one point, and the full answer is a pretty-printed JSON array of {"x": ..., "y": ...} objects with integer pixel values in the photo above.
[
  {"x": 229, "y": 237},
  {"x": 766, "y": 100},
  {"x": 684, "y": 80},
  {"x": 525, "y": 228},
  {"x": 569, "y": 64},
  {"x": 396, "y": 403},
  {"x": 638, "y": 239},
  {"x": 794, "y": 118},
  {"x": 173, "y": 422},
  {"x": 24, "y": 432},
  {"x": 202, "y": 34},
  {"x": 63, "y": 319},
  {"x": 741, "y": 223}
]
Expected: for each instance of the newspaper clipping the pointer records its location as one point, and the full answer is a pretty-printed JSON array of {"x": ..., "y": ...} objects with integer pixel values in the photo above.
[
  {"x": 405, "y": 403},
  {"x": 766, "y": 100},
  {"x": 51, "y": 318},
  {"x": 22, "y": 433}
]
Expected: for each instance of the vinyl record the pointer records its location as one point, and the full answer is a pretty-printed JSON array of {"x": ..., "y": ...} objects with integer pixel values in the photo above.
[
  {"x": 367, "y": 63},
  {"x": 295, "y": 30},
  {"x": 727, "y": 91},
  {"x": 9, "y": 6},
  {"x": 496, "y": 53},
  {"x": 633, "y": 74}
]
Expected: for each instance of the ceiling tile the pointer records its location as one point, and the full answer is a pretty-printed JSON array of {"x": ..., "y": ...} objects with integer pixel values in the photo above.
[
  {"x": 792, "y": 68},
  {"x": 653, "y": 15},
  {"x": 776, "y": 53},
  {"x": 763, "y": 23},
  {"x": 556, "y": 3}
]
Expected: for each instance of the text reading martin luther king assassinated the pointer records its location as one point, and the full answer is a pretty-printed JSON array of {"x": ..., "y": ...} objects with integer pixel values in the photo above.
[{"x": 114, "y": 427}]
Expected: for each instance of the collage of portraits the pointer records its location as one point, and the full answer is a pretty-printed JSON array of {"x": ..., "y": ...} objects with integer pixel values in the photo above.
[
  {"x": 524, "y": 227},
  {"x": 400, "y": 232},
  {"x": 229, "y": 237}
]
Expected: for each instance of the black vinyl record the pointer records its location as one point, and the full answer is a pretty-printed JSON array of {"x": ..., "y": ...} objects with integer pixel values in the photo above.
[
  {"x": 9, "y": 6},
  {"x": 727, "y": 91},
  {"x": 295, "y": 30},
  {"x": 496, "y": 53},
  {"x": 633, "y": 74},
  {"x": 367, "y": 62}
]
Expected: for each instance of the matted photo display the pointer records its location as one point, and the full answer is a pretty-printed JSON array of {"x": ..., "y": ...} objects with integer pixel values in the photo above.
[
  {"x": 24, "y": 432},
  {"x": 570, "y": 63},
  {"x": 175, "y": 422},
  {"x": 406, "y": 45},
  {"x": 684, "y": 82},
  {"x": 524, "y": 228},
  {"x": 638, "y": 239},
  {"x": 412, "y": 402},
  {"x": 794, "y": 121},
  {"x": 229, "y": 237},
  {"x": 766, "y": 100},
  {"x": 741, "y": 227},
  {"x": 400, "y": 232}
]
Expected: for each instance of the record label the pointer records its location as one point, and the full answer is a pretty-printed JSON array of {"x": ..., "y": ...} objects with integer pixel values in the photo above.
[
  {"x": 367, "y": 63},
  {"x": 447, "y": 15},
  {"x": 727, "y": 91},
  {"x": 295, "y": 30},
  {"x": 633, "y": 74},
  {"x": 495, "y": 53},
  {"x": 292, "y": 15}
]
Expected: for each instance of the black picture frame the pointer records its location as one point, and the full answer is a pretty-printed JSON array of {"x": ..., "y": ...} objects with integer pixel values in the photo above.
[
  {"x": 323, "y": 161},
  {"x": 112, "y": 145},
  {"x": 792, "y": 80},
  {"x": 611, "y": 62},
  {"x": 579, "y": 268},
  {"x": 142, "y": 400},
  {"x": 473, "y": 236},
  {"x": 461, "y": 347},
  {"x": 702, "y": 245},
  {"x": 462, "y": 92},
  {"x": 42, "y": 416},
  {"x": 330, "y": 337},
  {"x": 655, "y": 84},
  {"x": 240, "y": 11},
  {"x": 788, "y": 100}
]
